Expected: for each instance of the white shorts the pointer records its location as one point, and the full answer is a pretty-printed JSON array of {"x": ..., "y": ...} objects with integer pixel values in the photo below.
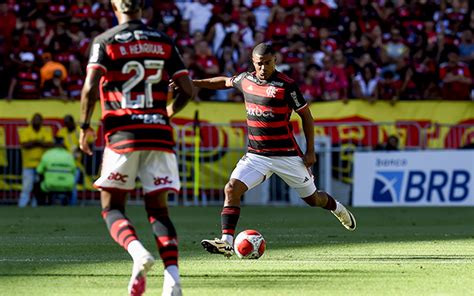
[
  {"x": 157, "y": 171},
  {"x": 253, "y": 169}
]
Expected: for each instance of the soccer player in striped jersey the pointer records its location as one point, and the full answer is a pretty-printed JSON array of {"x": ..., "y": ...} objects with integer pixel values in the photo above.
[
  {"x": 129, "y": 68},
  {"x": 270, "y": 98}
]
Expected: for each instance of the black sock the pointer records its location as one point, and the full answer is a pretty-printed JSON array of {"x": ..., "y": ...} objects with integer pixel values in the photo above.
[
  {"x": 229, "y": 218},
  {"x": 331, "y": 204}
]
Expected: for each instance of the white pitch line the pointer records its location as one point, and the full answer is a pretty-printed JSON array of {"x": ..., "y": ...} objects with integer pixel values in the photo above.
[{"x": 335, "y": 262}]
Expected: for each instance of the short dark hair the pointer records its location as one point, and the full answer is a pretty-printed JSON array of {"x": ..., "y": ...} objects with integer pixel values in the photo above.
[
  {"x": 263, "y": 49},
  {"x": 128, "y": 6}
]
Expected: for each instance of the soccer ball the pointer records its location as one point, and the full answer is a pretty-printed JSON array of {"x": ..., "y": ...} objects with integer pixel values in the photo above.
[{"x": 249, "y": 244}]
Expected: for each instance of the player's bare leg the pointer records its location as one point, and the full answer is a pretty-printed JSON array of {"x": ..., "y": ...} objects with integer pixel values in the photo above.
[
  {"x": 156, "y": 205},
  {"x": 123, "y": 232},
  {"x": 324, "y": 200},
  {"x": 230, "y": 214}
]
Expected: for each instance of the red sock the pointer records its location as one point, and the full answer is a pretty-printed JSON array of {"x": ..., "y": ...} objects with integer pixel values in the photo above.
[{"x": 120, "y": 228}]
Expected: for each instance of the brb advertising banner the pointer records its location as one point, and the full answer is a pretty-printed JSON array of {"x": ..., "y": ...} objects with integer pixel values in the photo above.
[{"x": 417, "y": 178}]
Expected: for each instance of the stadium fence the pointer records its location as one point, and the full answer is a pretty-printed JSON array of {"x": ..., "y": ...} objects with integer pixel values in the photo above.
[{"x": 222, "y": 145}]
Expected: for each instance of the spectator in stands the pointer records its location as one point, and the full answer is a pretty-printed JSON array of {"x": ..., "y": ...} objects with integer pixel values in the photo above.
[
  {"x": 388, "y": 87},
  {"x": 334, "y": 81},
  {"x": 6, "y": 29},
  {"x": 380, "y": 33},
  {"x": 49, "y": 68},
  {"x": 207, "y": 64},
  {"x": 198, "y": 14},
  {"x": 456, "y": 78},
  {"x": 70, "y": 140},
  {"x": 311, "y": 88},
  {"x": 34, "y": 141},
  {"x": 261, "y": 10},
  {"x": 318, "y": 12},
  {"x": 279, "y": 26},
  {"x": 395, "y": 49},
  {"x": 57, "y": 11},
  {"x": 25, "y": 84},
  {"x": 54, "y": 87},
  {"x": 391, "y": 144},
  {"x": 221, "y": 30},
  {"x": 56, "y": 172},
  {"x": 365, "y": 84},
  {"x": 466, "y": 48},
  {"x": 75, "y": 80},
  {"x": 80, "y": 10}
]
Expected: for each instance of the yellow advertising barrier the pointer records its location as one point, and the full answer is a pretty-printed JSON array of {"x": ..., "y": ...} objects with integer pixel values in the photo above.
[{"x": 443, "y": 125}]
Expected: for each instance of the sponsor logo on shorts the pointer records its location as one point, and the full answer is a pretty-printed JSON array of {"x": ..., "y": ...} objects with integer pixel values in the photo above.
[
  {"x": 117, "y": 177},
  {"x": 306, "y": 179},
  {"x": 162, "y": 181}
]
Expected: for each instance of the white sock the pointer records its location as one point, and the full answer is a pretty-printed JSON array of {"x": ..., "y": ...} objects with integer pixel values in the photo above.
[
  {"x": 137, "y": 250},
  {"x": 339, "y": 207},
  {"x": 229, "y": 238},
  {"x": 172, "y": 274}
]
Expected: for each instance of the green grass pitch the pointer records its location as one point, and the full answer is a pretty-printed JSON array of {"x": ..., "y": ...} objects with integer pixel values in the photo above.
[{"x": 394, "y": 251}]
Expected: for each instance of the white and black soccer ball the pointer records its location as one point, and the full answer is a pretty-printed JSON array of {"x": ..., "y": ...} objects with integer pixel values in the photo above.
[{"x": 249, "y": 244}]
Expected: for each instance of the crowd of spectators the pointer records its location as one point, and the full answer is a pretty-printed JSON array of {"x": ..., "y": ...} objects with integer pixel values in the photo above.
[{"x": 335, "y": 50}]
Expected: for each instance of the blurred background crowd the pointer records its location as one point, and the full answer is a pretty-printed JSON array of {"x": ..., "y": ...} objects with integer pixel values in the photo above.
[{"x": 335, "y": 50}]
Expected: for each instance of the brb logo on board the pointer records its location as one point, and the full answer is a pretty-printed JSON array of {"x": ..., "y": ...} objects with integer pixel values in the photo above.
[{"x": 412, "y": 186}]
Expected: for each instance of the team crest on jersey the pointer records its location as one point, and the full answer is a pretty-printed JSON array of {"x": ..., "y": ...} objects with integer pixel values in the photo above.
[
  {"x": 271, "y": 91},
  {"x": 124, "y": 37}
]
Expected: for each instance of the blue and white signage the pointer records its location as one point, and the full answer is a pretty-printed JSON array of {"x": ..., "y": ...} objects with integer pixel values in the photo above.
[{"x": 416, "y": 178}]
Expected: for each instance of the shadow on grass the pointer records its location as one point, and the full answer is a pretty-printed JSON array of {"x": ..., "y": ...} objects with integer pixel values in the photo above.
[{"x": 39, "y": 237}]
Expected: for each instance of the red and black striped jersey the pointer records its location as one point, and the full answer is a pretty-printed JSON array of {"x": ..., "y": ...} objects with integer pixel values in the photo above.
[
  {"x": 27, "y": 85},
  {"x": 269, "y": 105},
  {"x": 137, "y": 62}
]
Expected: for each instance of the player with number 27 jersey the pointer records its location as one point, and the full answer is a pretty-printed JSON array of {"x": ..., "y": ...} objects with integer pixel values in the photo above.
[
  {"x": 129, "y": 70},
  {"x": 137, "y": 63}
]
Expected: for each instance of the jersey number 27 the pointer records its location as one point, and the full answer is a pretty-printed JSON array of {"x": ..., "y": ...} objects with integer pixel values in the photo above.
[{"x": 144, "y": 100}]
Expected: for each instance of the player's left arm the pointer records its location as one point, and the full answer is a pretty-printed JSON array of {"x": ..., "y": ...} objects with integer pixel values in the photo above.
[
  {"x": 300, "y": 106},
  {"x": 89, "y": 97},
  {"x": 308, "y": 128}
]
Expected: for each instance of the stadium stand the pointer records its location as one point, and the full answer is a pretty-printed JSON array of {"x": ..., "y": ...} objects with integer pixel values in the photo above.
[{"x": 387, "y": 50}]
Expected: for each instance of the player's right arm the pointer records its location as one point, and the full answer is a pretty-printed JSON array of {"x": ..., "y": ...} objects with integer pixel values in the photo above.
[
  {"x": 89, "y": 97},
  {"x": 220, "y": 82}
]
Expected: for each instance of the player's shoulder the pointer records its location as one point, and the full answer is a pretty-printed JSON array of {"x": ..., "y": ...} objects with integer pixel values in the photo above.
[
  {"x": 284, "y": 78},
  {"x": 109, "y": 35},
  {"x": 239, "y": 76},
  {"x": 124, "y": 33}
]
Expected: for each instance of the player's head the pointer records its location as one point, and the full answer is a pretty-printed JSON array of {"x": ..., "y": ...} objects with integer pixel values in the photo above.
[
  {"x": 127, "y": 7},
  {"x": 264, "y": 60}
]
